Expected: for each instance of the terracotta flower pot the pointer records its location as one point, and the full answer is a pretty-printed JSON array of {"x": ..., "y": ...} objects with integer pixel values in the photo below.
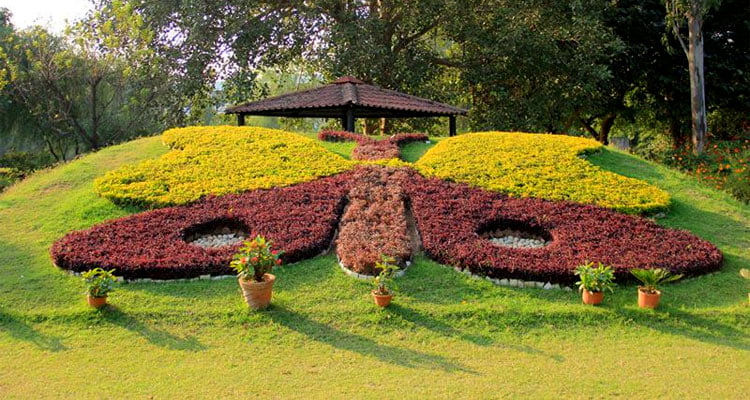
[
  {"x": 382, "y": 300},
  {"x": 592, "y": 298},
  {"x": 96, "y": 302},
  {"x": 258, "y": 294},
  {"x": 648, "y": 300}
]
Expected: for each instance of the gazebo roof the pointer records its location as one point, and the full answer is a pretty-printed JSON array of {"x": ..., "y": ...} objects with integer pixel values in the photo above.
[{"x": 346, "y": 93}]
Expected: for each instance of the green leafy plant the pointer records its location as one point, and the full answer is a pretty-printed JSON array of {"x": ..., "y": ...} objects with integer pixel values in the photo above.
[
  {"x": 8, "y": 176},
  {"x": 99, "y": 282},
  {"x": 595, "y": 279},
  {"x": 256, "y": 258},
  {"x": 652, "y": 278},
  {"x": 384, "y": 280}
]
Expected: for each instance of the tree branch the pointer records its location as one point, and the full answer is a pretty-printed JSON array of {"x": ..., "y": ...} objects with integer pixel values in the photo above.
[
  {"x": 447, "y": 63},
  {"x": 676, "y": 28},
  {"x": 416, "y": 35}
]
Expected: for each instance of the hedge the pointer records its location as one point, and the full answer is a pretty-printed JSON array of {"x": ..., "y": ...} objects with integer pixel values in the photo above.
[
  {"x": 451, "y": 216},
  {"x": 375, "y": 220},
  {"x": 213, "y": 160},
  {"x": 538, "y": 165},
  {"x": 300, "y": 219}
]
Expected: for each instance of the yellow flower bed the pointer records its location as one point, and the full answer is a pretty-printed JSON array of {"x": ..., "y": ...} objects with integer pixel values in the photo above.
[
  {"x": 538, "y": 165},
  {"x": 219, "y": 160}
]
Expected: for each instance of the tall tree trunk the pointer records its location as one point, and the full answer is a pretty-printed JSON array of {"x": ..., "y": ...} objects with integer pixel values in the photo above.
[
  {"x": 94, "y": 140},
  {"x": 697, "y": 87},
  {"x": 587, "y": 126},
  {"x": 385, "y": 126},
  {"x": 605, "y": 127},
  {"x": 371, "y": 126}
]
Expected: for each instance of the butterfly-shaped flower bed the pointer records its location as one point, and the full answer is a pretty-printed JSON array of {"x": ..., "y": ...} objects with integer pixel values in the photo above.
[{"x": 368, "y": 207}]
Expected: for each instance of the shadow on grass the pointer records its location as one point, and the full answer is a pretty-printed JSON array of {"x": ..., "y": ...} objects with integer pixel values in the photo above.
[
  {"x": 339, "y": 339},
  {"x": 675, "y": 322},
  {"x": 160, "y": 338},
  {"x": 289, "y": 278},
  {"x": 427, "y": 322},
  {"x": 441, "y": 328},
  {"x": 20, "y": 330}
]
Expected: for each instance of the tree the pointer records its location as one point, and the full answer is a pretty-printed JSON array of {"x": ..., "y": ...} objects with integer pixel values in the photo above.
[
  {"x": 530, "y": 65},
  {"x": 727, "y": 36},
  {"x": 645, "y": 76},
  {"x": 383, "y": 42},
  {"x": 99, "y": 84},
  {"x": 692, "y": 13}
]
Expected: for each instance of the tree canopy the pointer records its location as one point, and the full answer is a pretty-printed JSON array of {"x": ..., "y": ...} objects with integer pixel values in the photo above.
[{"x": 570, "y": 66}]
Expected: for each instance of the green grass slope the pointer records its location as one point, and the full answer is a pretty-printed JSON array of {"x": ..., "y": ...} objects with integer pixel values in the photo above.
[{"x": 447, "y": 335}]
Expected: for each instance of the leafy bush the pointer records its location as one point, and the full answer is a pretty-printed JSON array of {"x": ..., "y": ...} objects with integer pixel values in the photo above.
[
  {"x": 343, "y": 136},
  {"x": 726, "y": 123},
  {"x": 15, "y": 165},
  {"x": 538, "y": 165},
  {"x": 99, "y": 282},
  {"x": 213, "y": 160},
  {"x": 595, "y": 279},
  {"x": 25, "y": 162},
  {"x": 725, "y": 165},
  {"x": 300, "y": 219},
  {"x": 375, "y": 220},
  {"x": 652, "y": 278},
  {"x": 384, "y": 281},
  {"x": 450, "y": 215},
  {"x": 738, "y": 183},
  {"x": 8, "y": 176},
  {"x": 255, "y": 259}
]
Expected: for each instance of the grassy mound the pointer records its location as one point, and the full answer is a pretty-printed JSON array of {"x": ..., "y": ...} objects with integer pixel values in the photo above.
[
  {"x": 446, "y": 335},
  {"x": 538, "y": 165},
  {"x": 219, "y": 160}
]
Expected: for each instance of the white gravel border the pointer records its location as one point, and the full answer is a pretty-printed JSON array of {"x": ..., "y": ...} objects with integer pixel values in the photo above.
[
  {"x": 518, "y": 283},
  {"x": 353, "y": 274},
  {"x": 500, "y": 282}
]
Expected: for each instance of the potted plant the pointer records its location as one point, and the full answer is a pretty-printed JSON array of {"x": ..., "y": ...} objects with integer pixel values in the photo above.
[
  {"x": 745, "y": 273},
  {"x": 383, "y": 293},
  {"x": 594, "y": 281},
  {"x": 649, "y": 293},
  {"x": 99, "y": 283},
  {"x": 253, "y": 264}
]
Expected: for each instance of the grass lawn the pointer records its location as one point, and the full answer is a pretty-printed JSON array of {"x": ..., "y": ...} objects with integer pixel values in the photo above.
[{"x": 446, "y": 335}]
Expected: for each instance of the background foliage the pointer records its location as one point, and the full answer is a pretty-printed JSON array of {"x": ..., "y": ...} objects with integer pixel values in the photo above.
[{"x": 582, "y": 67}]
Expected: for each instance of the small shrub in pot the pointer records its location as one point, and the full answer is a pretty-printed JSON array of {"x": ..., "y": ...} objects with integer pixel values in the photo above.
[
  {"x": 649, "y": 293},
  {"x": 383, "y": 292},
  {"x": 99, "y": 283},
  {"x": 594, "y": 280},
  {"x": 253, "y": 263}
]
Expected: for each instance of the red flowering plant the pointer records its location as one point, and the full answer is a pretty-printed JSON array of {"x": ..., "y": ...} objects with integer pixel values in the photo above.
[
  {"x": 255, "y": 259},
  {"x": 724, "y": 165}
]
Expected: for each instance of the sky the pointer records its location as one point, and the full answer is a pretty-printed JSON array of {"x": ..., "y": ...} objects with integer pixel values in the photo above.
[{"x": 50, "y": 13}]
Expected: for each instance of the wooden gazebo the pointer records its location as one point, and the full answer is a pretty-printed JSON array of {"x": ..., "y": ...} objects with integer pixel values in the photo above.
[{"x": 347, "y": 98}]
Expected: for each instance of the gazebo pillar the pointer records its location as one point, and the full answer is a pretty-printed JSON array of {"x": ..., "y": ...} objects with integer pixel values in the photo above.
[
  {"x": 240, "y": 119},
  {"x": 452, "y": 125},
  {"x": 349, "y": 120}
]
